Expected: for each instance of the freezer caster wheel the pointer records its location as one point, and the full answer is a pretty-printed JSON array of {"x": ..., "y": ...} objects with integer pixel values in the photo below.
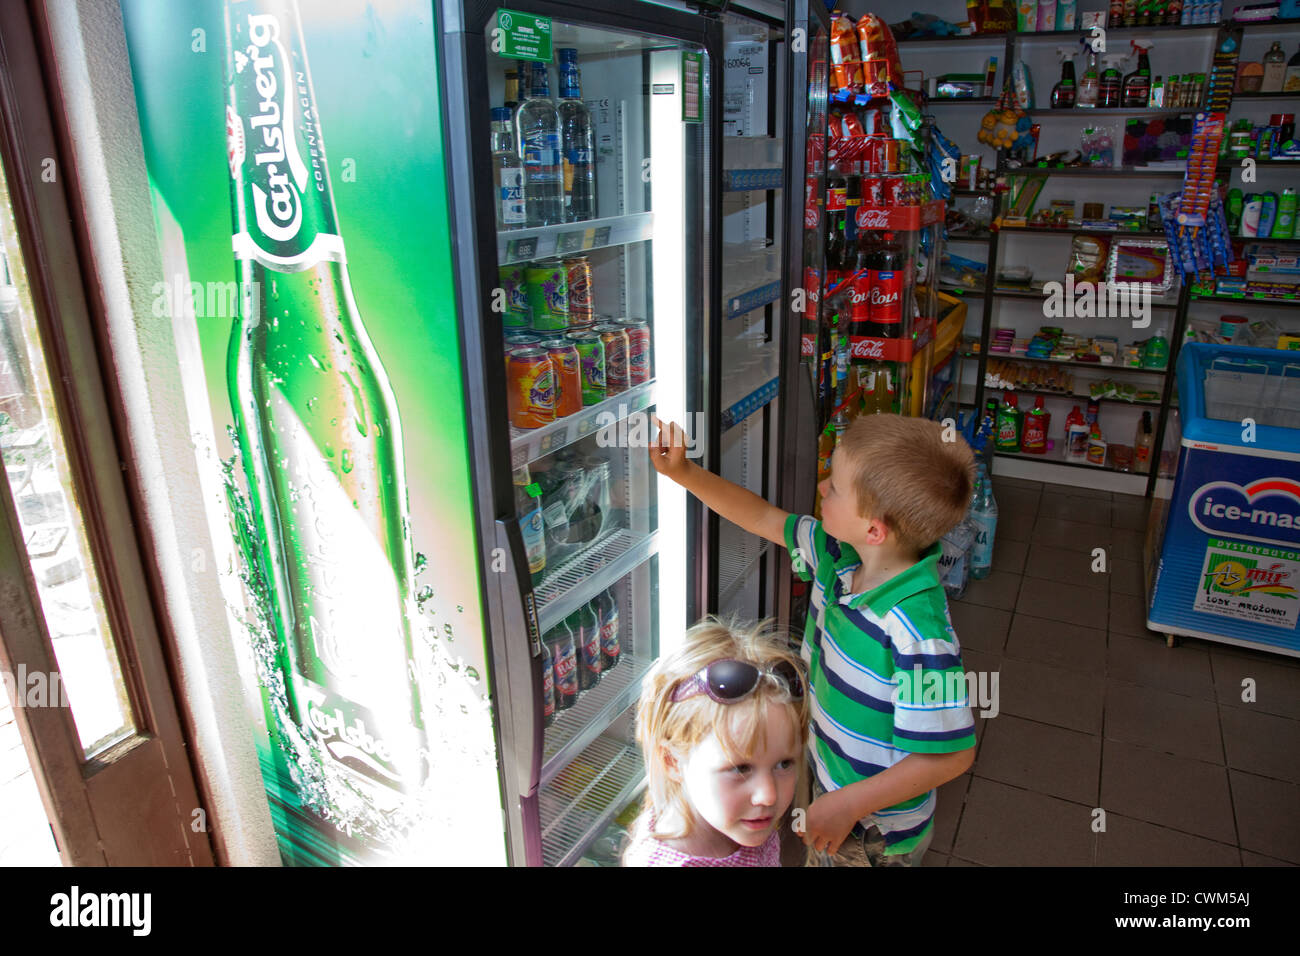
[{"x": 1171, "y": 640}]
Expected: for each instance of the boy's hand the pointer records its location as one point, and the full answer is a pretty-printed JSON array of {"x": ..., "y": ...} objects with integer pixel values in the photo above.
[
  {"x": 668, "y": 450},
  {"x": 830, "y": 820}
]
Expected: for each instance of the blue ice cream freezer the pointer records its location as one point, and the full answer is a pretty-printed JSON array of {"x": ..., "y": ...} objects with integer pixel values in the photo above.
[{"x": 1229, "y": 561}]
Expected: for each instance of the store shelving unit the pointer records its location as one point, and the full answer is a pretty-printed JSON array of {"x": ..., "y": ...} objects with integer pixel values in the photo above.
[{"x": 1009, "y": 47}]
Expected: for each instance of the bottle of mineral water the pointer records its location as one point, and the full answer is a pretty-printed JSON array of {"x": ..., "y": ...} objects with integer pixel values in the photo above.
[
  {"x": 507, "y": 173},
  {"x": 538, "y": 127},
  {"x": 578, "y": 142},
  {"x": 984, "y": 516}
]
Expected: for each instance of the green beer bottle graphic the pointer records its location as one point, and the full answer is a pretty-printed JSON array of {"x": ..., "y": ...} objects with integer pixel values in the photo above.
[{"x": 317, "y": 425}]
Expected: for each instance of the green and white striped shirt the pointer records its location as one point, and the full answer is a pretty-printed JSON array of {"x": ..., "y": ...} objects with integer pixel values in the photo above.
[{"x": 885, "y": 674}]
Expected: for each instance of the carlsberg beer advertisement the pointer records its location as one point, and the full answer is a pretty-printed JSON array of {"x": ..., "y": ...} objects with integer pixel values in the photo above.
[{"x": 298, "y": 183}]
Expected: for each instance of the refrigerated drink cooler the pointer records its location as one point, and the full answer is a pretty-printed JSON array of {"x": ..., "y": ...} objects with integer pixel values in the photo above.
[
  {"x": 581, "y": 317},
  {"x": 1228, "y": 568}
]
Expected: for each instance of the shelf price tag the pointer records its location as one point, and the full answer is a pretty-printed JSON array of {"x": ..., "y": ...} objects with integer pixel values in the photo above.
[
  {"x": 521, "y": 250},
  {"x": 570, "y": 242},
  {"x": 522, "y": 36}
]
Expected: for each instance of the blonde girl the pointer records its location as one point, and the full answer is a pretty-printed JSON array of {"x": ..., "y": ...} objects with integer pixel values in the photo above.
[{"x": 723, "y": 725}]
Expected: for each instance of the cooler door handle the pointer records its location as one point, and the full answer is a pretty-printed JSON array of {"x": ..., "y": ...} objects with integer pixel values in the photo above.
[{"x": 523, "y": 660}]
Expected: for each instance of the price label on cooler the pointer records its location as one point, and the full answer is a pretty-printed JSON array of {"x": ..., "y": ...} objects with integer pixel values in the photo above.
[
  {"x": 570, "y": 242},
  {"x": 601, "y": 237},
  {"x": 521, "y": 250}
]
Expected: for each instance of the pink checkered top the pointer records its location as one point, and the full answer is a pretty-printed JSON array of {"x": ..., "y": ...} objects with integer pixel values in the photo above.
[{"x": 645, "y": 850}]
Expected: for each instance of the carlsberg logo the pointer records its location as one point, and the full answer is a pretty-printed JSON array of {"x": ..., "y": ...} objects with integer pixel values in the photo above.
[
  {"x": 278, "y": 207},
  {"x": 349, "y": 740}
]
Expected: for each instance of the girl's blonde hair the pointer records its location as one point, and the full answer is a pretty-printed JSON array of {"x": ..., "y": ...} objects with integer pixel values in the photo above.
[{"x": 662, "y": 725}]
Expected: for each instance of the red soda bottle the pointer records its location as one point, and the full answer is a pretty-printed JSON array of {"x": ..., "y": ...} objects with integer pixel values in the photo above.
[{"x": 886, "y": 275}]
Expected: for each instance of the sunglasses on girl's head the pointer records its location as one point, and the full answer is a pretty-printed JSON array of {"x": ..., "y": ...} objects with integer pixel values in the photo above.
[{"x": 729, "y": 681}]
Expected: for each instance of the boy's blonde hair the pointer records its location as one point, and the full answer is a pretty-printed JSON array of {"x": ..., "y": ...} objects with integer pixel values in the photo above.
[
  {"x": 908, "y": 475},
  {"x": 679, "y": 727}
]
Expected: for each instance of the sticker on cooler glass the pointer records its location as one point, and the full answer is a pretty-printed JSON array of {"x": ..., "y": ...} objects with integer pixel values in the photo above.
[
  {"x": 1250, "y": 582},
  {"x": 286, "y": 212},
  {"x": 1266, "y": 510}
]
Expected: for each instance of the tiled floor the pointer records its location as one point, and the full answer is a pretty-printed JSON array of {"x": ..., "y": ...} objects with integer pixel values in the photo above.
[{"x": 1100, "y": 722}]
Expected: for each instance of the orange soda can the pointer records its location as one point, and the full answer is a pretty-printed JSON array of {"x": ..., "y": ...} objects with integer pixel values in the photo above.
[
  {"x": 568, "y": 377},
  {"x": 531, "y": 388},
  {"x": 617, "y": 347}
]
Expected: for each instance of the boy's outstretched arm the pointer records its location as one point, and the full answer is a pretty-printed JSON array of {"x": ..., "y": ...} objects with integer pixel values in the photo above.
[{"x": 736, "y": 504}]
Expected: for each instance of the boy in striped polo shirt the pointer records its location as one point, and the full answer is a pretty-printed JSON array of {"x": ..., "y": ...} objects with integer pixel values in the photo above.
[{"x": 890, "y": 717}]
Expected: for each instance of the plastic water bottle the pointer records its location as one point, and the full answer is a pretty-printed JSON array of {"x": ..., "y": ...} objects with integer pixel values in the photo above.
[
  {"x": 954, "y": 563},
  {"x": 984, "y": 516},
  {"x": 508, "y": 172},
  {"x": 538, "y": 125},
  {"x": 578, "y": 143}
]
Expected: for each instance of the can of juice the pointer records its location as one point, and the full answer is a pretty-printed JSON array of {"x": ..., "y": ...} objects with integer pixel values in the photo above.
[
  {"x": 582, "y": 309},
  {"x": 638, "y": 350},
  {"x": 591, "y": 356},
  {"x": 548, "y": 295},
  {"x": 518, "y": 314},
  {"x": 615, "y": 340},
  {"x": 566, "y": 367},
  {"x": 531, "y": 384}
]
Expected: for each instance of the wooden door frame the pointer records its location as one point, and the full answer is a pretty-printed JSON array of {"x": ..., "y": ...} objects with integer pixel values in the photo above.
[{"x": 132, "y": 804}]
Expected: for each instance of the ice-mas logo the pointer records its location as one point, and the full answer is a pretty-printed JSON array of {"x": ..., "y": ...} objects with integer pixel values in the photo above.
[{"x": 1266, "y": 510}]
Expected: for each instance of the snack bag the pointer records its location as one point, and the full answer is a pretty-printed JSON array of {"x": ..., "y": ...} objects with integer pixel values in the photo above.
[{"x": 881, "y": 69}]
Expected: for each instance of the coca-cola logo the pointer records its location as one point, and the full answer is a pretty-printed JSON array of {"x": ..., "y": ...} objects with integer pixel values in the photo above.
[
  {"x": 879, "y": 297},
  {"x": 873, "y": 218},
  {"x": 868, "y": 348},
  {"x": 806, "y": 345},
  {"x": 810, "y": 216}
]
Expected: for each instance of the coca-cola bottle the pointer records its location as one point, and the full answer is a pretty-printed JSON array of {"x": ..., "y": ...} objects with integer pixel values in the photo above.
[
  {"x": 813, "y": 248},
  {"x": 860, "y": 304},
  {"x": 887, "y": 275},
  {"x": 836, "y": 250}
]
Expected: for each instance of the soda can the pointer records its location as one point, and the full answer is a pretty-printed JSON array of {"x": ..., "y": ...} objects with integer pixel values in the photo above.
[
  {"x": 521, "y": 340},
  {"x": 582, "y": 309},
  {"x": 531, "y": 383},
  {"x": 873, "y": 191},
  {"x": 591, "y": 355},
  {"x": 896, "y": 191},
  {"x": 567, "y": 369},
  {"x": 638, "y": 350},
  {"x": 615, "y": 340},
  {"x": 563, "y": 652},
  {"x": 548, "y": 295},
  {"x": 514, "y": 285}
]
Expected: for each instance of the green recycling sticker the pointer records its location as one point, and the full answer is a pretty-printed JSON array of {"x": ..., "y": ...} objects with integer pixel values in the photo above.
[{"x": 522, "y": 36}]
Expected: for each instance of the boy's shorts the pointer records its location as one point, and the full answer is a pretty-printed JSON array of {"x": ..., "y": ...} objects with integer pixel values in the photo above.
[{"x": 865, "y": 846}]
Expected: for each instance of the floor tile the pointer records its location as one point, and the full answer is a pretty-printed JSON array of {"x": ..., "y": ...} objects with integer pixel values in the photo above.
[
  {"x": 1258, "y": 859},
  {"x": 999, "y": 589},
  {"x": 1126, "y": 577},
  {"x": 1129, "y": 517},
  {"x": 1264, "y": 744},
  {"x": 1074, "y": 535},
  {"x": 978, "y": 627},
  {"x": 1053, "y": 504},
  {"x": 1079, "y": 491},
  {"x": 1051, "y": 760},
  {"x": 1125, "y": 545},
  {"x": 956, "y": 861},
  {"x": 1007, "y": 826},
  {"x": 1071, "y": 603},
  {"x": 1009, "y": 555},
  {"x": 1147, "y": 661},
  {"x": 1276, "y": 686},
  {"x": 1266, "y": 815},
  {"x": 952, "y": 796},
  {"x": 1128, "y": 615},
  {"x": 1068, "y": 646},
  {"x": 1015, "y": 526},
  {"x": 1128, "y": 842},
  {"x": 1052, "y": 695},
  {"x": 934, "y": 859},
  {"x": 1169, "y": 723},
  {"x": 1169, "y": 791},
  {"x": 1064, "y": 565},
  {"x": 1006, "y": 481}
]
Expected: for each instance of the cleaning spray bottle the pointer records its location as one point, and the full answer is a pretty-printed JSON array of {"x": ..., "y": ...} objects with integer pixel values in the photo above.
[
  {"x": 1063, "y": 93},
  {"x": 1090, "y": 83},
  {"x": 1009, "y": 420},
  {"x": 1137, "y": 85},
  {"x": 1111, "y": 83}
]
